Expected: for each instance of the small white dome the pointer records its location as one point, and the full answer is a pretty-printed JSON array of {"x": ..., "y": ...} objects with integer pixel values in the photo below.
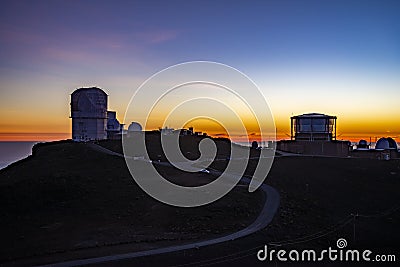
[{"x": 135, "y": 127}]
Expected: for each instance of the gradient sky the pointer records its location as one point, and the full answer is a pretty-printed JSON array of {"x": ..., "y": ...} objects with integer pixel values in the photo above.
[{"x": 335, "y": 57}]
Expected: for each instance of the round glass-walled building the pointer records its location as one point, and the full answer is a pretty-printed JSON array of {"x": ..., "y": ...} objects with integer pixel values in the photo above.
[{"x": 313, "y": 127}]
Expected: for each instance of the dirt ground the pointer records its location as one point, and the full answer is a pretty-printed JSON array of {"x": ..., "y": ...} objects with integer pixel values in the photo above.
[
  {"x": 69, "y": 200},
  {"x": 68, "y": 197}
]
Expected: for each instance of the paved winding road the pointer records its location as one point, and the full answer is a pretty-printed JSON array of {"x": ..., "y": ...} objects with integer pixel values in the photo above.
[{"x": 264, "y": 218}]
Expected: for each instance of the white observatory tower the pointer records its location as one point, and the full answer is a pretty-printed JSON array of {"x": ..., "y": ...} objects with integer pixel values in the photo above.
[{"x": 89, "y": 114}]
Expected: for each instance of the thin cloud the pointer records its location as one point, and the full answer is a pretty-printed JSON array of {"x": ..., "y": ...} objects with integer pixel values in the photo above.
[{"x": 156, "y": 37}]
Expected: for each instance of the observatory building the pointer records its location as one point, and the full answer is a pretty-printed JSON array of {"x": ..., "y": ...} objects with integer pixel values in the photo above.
[
  {"x": 89, "y": 114},
  {"x": 135, "y": 127},
  {"x": 363, "y": 144},
  {"x": 385, "y": 149},
  {"x": 386, "y": 143},
  {"x": 114, "y": 128},
  {"x": 313, "y": 127},
  {"x": 314, "y": 134}
]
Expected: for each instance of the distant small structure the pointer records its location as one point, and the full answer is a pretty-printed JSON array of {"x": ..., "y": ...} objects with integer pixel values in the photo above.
[
  {"x": 254, "y": 144},
  {"x": 114, "y": 128},
  {"x": 135, "y": 127},
  {"x": 166, "y": 130},
  {"x": 89, "y": 114},
  {"x": 362, "y": 144},
  {"x": 385, "y": 149},
  {"x": 183, "y": 132}
]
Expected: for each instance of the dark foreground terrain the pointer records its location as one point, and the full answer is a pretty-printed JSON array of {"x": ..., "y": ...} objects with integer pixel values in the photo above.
[{"x": 69, "y": 201}]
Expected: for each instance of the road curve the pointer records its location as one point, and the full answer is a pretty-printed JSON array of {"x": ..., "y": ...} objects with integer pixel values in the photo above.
[{"x": 264, "y": 218}]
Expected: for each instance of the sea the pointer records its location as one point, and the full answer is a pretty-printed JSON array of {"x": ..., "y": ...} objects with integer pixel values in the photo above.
[{"x": 13, "y": 151}]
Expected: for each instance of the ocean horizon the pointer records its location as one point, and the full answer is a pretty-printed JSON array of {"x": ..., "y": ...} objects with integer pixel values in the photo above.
[{"x": 12, "y": 151}]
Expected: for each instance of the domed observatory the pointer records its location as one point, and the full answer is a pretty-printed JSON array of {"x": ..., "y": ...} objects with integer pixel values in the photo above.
[
  {"x": 387, "y": 147},
  {"x": 386, "y": 143},
  {"x": 313, "y": 127},
  {"x": 135, "y": 127},
  {"x": 134, "y": 135},
  {"x": 363, "y": 144},
  {"x": 89, "y": 114}
]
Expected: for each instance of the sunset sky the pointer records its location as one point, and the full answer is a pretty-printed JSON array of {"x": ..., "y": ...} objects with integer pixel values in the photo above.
[{"x": 335, "y": 57}]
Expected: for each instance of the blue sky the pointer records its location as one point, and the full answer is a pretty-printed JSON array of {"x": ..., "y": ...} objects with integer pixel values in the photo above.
[{"x": 337, "y": 57}]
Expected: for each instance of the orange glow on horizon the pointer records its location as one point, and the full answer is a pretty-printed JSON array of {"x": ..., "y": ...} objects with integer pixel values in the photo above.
[
  {"x": 47, "y": 137},
  {"x": 348, "y": 128}
]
